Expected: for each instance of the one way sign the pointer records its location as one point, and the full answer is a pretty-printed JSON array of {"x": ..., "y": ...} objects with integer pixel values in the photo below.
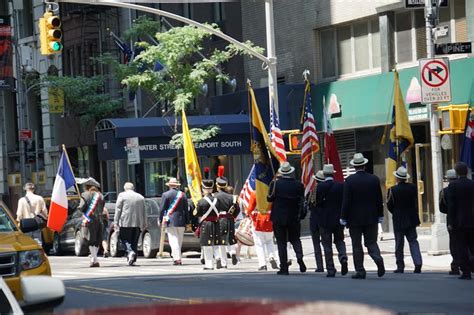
[{"x": 435, "y": 80}]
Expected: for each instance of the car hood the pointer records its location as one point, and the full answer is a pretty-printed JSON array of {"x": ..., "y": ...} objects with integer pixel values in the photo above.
[{"x": 16, "y": 241}]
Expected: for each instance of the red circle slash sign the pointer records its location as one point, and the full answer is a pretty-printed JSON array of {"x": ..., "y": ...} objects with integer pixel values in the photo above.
[{"x": 435, "y": 70}]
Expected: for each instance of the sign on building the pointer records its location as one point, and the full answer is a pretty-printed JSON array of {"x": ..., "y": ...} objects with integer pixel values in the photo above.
[
  {"x": 55, "y": 100},
  {"x": 25, "y": 134},
  {"x": 453, "y": 48},
  {"x": 133, "y": 151},
  {"x": 435, "y": 80},
  {"x": 416, "y": 4}
]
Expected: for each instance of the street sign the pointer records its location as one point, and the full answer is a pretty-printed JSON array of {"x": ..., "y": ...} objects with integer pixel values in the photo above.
[
  {"x": 133, "y": 151},
  {"x": 453, "y": 48},
  {"x": 25, "y": 134},
  {"x": 435, "y": 80},
  {"x": 418, "y": 4},
  {"x": 55, "y": 100}
]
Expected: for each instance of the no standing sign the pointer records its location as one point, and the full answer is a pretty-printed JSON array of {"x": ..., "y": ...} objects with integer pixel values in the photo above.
[{"x": 435, "y": 80}]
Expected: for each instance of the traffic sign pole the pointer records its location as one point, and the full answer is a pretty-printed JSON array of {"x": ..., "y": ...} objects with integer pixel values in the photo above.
[{"x": 439, "y": 236}]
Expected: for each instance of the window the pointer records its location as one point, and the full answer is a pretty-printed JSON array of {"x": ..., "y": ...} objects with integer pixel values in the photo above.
[
  {"x": 328, "y": 53},
  {"x": 344, "y": 51},
  {"x": 25, "y": 17},
  {"x": 403, "y": 35},
  {"x": 374, "y": 30},
  {"x": 218, "y": 12},
  {"x": 188, "y": 10},
  {"x": 361, "y": 42}
]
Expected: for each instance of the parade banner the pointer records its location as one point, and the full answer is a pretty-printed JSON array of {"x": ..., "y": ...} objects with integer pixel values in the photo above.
[
  {"x": 6, "y": 73},
  {"x": 193, "y": 171}
]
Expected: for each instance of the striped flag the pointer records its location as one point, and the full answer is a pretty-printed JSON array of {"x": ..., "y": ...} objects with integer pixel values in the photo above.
[
  {"x": 247, "y": 195},
  {"x": 331, "y": 155},
  {"x": 275, "y": 135},
  {"x": 310, "y": 143}
]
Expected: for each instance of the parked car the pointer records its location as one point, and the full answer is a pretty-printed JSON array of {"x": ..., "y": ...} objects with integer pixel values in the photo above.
[
  {"x": 149, "y": 241},
  {"x": 20, "y": 255}
]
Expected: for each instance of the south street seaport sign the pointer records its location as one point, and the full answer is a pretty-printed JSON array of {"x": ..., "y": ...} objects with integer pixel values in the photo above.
[{"x": 435, "y": 81}]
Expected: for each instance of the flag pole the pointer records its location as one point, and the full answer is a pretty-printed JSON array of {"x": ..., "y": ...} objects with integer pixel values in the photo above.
[{"x": 69, "y": 163}]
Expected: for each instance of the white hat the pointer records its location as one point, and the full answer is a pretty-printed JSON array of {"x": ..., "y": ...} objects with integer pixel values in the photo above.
[
  {"x": 286, "y": 168},
  {"x": 359, "y": 160},
  {"x": 91, "y": 182},
  {"x": 328, "y": 169},
  {"x": 401, "y": 173},
  {"x": 173, "y": 182},
  {"x": 451, "y": 174},
  {"x": 319, "y": 176}
]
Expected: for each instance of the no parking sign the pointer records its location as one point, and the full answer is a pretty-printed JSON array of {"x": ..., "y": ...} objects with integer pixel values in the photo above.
[{"x": 435, "y": 80}]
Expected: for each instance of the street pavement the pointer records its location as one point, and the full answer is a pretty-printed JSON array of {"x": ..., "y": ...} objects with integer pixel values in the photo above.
[{"x": 157, "y": 281}]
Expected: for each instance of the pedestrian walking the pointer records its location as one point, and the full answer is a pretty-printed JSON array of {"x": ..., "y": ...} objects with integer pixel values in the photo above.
[
  {"x": 228, "y": 211},
  {"x": 461, "y": 213},
  {"x": 362, "y": 210},
  {"x": 287, "y": 195},
  {"x": 130, "y": 219},
  {"x": 208, "y": 229},
  {"x": 92, "y": 206},
  {"x": 402, "y": 202},
  {"x": 313, "y": 223},
  {"x": 231, "y": 249},
  {"x": 443, "y": 208},
  {"x": 329, "y": 195},
  {"x": 174, "y": 215},
  {"x": 32, "y": 206}
]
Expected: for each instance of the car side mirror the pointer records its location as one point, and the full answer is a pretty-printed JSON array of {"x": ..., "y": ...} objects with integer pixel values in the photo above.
[{"x": 41, "y": 293}]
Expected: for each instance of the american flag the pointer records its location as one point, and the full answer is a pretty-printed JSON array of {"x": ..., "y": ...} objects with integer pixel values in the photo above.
[
  {"x": 310, "y": 144},
  {"x": 276, "y": 136},
  {"x": 247, "y": 195}
]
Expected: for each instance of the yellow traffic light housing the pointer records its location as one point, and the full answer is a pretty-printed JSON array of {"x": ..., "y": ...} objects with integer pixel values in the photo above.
[
  {"x": 50, "y": 34},
  {"x": 453, "y": 118}
]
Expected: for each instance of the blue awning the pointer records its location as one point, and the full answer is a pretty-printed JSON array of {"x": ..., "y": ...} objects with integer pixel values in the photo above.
[{"x": 155, "y": 134}]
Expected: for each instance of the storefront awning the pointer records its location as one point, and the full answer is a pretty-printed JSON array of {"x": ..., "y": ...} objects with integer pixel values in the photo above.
[{"x": 155, "y": 134}]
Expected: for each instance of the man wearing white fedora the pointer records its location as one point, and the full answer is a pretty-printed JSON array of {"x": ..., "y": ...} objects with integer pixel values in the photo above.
[
  {"x": 175, "y": 215},
  {"x": 402, "y": 202},
  {"x": 313, "y": 222},
  {"x": 362, "y": 210}
]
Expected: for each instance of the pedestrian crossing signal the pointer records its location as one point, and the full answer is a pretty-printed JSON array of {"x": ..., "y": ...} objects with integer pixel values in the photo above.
[{"x": 50, "y": 34}]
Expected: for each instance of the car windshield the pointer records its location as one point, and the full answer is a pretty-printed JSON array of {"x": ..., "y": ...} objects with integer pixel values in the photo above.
[{"x": 6, "y": 224}]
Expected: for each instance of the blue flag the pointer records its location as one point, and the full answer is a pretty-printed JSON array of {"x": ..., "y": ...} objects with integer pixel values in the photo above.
[{"x": 467, "y": 152}]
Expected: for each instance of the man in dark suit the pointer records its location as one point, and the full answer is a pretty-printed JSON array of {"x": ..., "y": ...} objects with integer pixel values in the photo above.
[
  {"x": 287, "y": 195},
  {"x": 175, "y": 216},
  {"x": 329, "y": 196},
  {"x": 461, "y": 210},
  {"x": 362, "y": 210},
  {"x": 443, "y": 208},
  {"x": 402, "y": 202},
  {"x": 313, "y": 223}
]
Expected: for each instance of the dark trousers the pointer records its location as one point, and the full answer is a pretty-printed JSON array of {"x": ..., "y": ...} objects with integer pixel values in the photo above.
[
  {"x": 453, "y": 251},
  {"x": 318, "y": 254},
  {"x": 465, "y": 245},
  {"x": 284, "y": 234},
  {"x": 327, "y": 239},
  {"x": 130, "y": 236},
  {"x": 370, "y": 233},
  {"x": 410, "y": 234}
]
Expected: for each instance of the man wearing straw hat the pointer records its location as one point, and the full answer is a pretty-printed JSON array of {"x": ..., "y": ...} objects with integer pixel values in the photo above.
[
  {"x": 287, "y": 195},
  {"x": 329, "y": 196},
  {"x": 313, "y": 223},
  {"x": 402, "y": 202},
  {"x": 362, "y": 210},
  {"x": 174, "y": 215}
]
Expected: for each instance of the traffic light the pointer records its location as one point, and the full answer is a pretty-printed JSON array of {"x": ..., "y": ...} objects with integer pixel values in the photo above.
[
  {"x": 453, "y": 118},
  {"x": 50, "y": 34}
]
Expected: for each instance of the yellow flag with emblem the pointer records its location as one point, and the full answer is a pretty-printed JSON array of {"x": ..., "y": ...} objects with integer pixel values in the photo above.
[{"x": 193, "y": 171}]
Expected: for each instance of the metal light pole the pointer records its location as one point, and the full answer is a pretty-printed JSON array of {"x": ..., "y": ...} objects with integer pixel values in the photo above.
[
  {"x": 272, "y": 71},
  {"x": 439, "y": 235}
]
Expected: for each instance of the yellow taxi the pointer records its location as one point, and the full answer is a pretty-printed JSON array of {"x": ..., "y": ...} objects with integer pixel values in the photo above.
[{"x": 20, "y": 255}]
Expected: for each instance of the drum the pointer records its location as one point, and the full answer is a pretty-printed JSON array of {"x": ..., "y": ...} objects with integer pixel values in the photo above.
[{"x": 244, "y": 232}]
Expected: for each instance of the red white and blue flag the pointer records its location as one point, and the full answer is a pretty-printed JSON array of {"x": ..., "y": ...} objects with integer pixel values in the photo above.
[
  {"x": 275, "y": 135},
  {"x": 467, "y": 152},
  {"x": 309, "y": 144},
  {"x": 59, "y": 203},
  {"x": 247, "y": 195},
  {"x": 331, "y": 155}
]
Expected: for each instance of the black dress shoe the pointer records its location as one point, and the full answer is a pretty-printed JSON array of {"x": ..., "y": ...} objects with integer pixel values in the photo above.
[
  {"x": 465, "y": 276},
  {"x": 262, "y": 268},
  {"x": 283, "y": 272},
  {"x": 454, "y": 273},
  {"x": 318, "y": 270},
  {"x": 344, "y": 267},
  {"x": 289, "y": 262},
  {"x": 358, "y": 276},
  {"x": 302, "y": 265},
  {"x": 203, "y": 261},
  {"x": 273, "y": 263},
  {"x": 207, "y": 268},
  {"x": 417, "y": 269},
  {"x": 380, "y": 270},
  {"x": 234, "y": 259},
  {"x": 331, "y": 275},
  {"x": 398, "y": 271}
]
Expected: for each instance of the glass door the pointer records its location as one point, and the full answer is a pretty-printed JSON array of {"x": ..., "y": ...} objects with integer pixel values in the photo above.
[{"x": 424, "y": 183}]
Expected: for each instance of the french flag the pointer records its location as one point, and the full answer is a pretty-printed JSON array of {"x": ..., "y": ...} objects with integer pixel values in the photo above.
[{"x": 58, "y": 208}]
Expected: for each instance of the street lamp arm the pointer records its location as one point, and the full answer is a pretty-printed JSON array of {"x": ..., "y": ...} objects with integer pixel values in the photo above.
[{"x": 207, "y": 28}]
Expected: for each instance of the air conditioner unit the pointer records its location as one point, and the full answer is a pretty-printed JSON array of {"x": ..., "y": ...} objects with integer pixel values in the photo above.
[
  {"x": 14, "y": 180},
  {"x": 41, "y": 178}
]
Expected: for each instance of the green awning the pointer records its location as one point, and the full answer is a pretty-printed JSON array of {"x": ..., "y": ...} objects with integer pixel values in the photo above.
[{"x": 367, "y": 101}]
